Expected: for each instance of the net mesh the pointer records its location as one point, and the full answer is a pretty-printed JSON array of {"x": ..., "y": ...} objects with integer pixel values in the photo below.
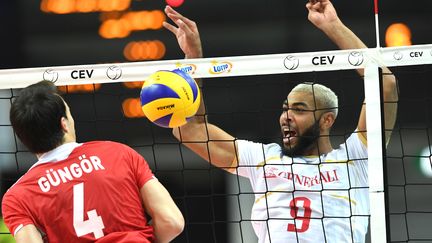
[
  {"x": 408, "y": 158},
  {"x": 217, "y": 205}
]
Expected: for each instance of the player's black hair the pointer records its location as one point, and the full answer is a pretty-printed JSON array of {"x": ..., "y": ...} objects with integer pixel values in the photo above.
[{"x": 36, "y": 115}]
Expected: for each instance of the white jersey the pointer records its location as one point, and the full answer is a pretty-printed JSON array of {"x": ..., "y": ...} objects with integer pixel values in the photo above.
[{"x": 308, "y": 199}]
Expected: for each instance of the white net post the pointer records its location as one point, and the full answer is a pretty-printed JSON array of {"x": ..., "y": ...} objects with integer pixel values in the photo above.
[{"x": 375, "y": 153}]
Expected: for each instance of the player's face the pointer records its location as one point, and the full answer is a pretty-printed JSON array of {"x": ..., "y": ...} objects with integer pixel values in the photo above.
[{"x": 299, "y": 123}]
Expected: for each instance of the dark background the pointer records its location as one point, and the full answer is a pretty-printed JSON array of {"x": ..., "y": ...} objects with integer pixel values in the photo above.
[{"x": 247, "y": 107}]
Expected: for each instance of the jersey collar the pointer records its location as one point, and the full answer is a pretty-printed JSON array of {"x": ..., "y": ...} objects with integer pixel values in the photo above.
[{"x": 60, "y": 153}]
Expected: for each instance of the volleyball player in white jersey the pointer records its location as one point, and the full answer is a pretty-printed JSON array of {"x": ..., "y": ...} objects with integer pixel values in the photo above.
[{"x": 305, "y": 190}]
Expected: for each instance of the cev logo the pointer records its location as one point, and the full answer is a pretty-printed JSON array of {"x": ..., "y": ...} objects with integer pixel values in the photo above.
[
  {"x": 114, "y": 72},
  {"x": 355, "y": 58},
  {"x": 220, "y": 67},
  {"x": 291, "y": 62},
  {"x": 187, "y": 68},
  {"x": 50, "y": 75},
  {"x": 398, "y": 55}
]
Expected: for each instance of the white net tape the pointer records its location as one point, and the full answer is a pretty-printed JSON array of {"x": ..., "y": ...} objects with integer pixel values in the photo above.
[{"x": 221, "y": 66}]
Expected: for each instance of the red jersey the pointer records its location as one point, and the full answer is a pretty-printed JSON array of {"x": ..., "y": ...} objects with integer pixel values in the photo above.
[{"x": 86, "y": 192}]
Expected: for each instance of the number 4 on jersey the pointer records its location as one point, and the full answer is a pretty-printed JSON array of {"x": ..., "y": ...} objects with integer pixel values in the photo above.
[{"x": 94, "y": 224}]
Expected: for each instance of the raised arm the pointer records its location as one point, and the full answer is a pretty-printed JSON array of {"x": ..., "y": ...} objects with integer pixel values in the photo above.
[
  {"x": 323, "y": 15},
  {"x": 205, "y": 139},
  {"x": 168, "y": 221}
]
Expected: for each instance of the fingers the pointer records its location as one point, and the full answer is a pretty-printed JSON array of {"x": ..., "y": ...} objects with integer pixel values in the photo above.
[
  {"x": 170, "y": 27},
  {"x": 311, "y": 4},
  {"x": 174, "y": 16},
  {"x": 170, "y": 11},
  {"x": 314, "y": 5},
  {"x": 183, "y": 26},
  {"x": 318, "y": 1}
]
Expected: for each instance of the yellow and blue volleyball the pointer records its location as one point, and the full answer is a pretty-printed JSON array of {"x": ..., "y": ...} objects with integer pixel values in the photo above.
[{"x": 170, "y": 98}]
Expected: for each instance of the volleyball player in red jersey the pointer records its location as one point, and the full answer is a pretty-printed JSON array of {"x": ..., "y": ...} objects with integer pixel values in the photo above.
[{"x": 81, "y": 192}]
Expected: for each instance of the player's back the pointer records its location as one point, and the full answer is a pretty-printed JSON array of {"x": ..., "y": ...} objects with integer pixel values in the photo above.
[{"x": 91, "y": 193}]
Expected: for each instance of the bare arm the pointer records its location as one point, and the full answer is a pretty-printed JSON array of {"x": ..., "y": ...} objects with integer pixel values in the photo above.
[
  {"x": 323, "y": 15},
  {"x": 168, "y": 221},
  {"x": 205, "y": 139},
  {"x": 28, "y": 234}
]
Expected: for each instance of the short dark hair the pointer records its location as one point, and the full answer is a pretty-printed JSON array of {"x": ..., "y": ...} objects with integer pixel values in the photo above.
[{"x": 35, "y": 116}]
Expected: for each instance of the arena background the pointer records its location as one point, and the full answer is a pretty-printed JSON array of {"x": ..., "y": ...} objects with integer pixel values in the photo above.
[{"x": 207, "y": 196}]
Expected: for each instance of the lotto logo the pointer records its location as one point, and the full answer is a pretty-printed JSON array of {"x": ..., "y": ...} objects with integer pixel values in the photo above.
[
  {"x": 187, "y": 68},
  {"x": 114, "y": 72}
]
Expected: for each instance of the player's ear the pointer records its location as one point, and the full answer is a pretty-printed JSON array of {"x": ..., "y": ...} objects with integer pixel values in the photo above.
[
  {"x": 64, "y": 124},
  {"x": 327, "y": 120}
]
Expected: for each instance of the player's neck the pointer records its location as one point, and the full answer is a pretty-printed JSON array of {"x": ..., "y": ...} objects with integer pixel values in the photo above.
[
  {"x": 39, "y": 155},
  {"x": 322, "y": 146},
  {"x": 66, "y": 139}
]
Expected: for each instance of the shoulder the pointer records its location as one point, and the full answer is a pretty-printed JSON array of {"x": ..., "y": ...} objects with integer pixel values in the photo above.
[
  {"x": 357, "y": 139},
  {"x": 102, "y": 143},
  {"x": 12, "y": 198},
  {"x": 17, "y": 188},
  {"x": 354, "y": 147},
  {"x": 107, "y": 150},
  {"x": 105, "y": 145}
]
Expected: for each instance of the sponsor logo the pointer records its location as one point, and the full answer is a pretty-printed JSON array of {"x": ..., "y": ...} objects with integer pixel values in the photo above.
[
  {"x": 220, "y": 67},
  {"x": 323, "y": 60},
  {"x": 187, "y": 68},
  {"x": 114, "y": 72},
  {"x": 355, "y": 58},
  {"x": 398, "y": 55},
  {"x": 291, "y": 62},
  {"x": 416, "y": 54},
  {"x": 82, "y": 74},
  {"x": 323, "y": 177},
  {"x": 50, "y": 75},
  {"x": 166, "y": 107}
]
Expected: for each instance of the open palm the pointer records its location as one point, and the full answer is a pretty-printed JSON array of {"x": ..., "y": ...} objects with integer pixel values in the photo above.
[{"x": 186, "y": 33}]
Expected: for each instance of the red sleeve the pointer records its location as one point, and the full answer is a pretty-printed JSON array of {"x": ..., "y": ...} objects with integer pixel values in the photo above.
[
  {"x": 140, "y": 167},
  {"x": 14, "y": 215}
]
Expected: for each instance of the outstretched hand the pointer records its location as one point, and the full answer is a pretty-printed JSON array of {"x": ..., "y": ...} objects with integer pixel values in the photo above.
[
  {"x": 186, "y": 33},
  {"x": 321, "y": 13}
]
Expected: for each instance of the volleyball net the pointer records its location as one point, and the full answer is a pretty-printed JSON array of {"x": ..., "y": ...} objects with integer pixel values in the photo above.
[{"x": 243, "y": 95}]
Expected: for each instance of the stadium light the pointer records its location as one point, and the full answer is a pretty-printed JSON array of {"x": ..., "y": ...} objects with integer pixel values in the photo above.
[
  {"x": 398, "y": 34},
  {"x": 132, "y": 108},
  {"x": 120, "y": 25},
  {"x": 83, "y": 88},
  {"x": 83, "y": 6},
  {"x": 144, "y": 50}
]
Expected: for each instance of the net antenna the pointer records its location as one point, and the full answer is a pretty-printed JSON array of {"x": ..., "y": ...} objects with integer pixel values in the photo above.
[{"x": 376, "y": 24}]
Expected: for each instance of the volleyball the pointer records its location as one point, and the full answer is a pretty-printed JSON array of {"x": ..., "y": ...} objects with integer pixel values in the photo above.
[{"x": 170, "y": 98}]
